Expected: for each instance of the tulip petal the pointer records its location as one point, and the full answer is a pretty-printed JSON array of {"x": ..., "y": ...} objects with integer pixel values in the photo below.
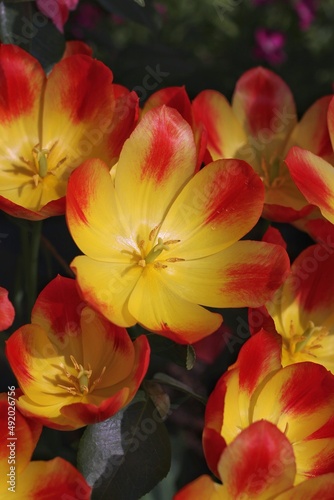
[
  {"x": 245, "y": 274},
  {"x": 259, "y": 463},
  {"x": 208, "y": 215},
  {"x": 312, "y": 489},
  {"x": 297, "y": 407},
  {"x": 315, "y": 179},
  {"x": 225, "y": 133},
  {"x": 107, "y": 287},
  {"x": 60, "y": 480},
  {"x": 311, "y": 285},
  {"x": 21, "y": 88},
  {"x": 91, "y": 411},
  {"x": 7, "y": 311},
  {"x": 262, "y": 101},
  {"x": 173, "y": 97},
  {"x": 94, "y": 216},
  {"x": 26, "y": 433},
  {"x": 330, "y": 118},
  {"x": 158, "y": 309},
  {"x": 155, "y": 163},
  {"x": 202, "y": 487},
  {"x": 36, "y": 362},
  {"x": 311, "y": 132},
  {"x": 114, "y": 344},
  {"x": 258, "y": 360},
  {"x": 78, "y": 96},
  {"x": 315, "y": 457},
  {"x": 58, "y": 307},
  {"x": 74, "y": 47}
]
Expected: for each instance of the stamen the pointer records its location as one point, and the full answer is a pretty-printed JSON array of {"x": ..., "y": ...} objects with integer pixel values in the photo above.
[
  {"x": 170, "y": 242},
  {"x": 158, "y": 265},
  {"x": 71, "y": 390},
  {"x": 98, "y": 380},
  {"x": 75, "y": 364},
  {"x": 80, "y": 382},
  {"x": 153, "y": 233},
  {"x": 174, "y": 259}
]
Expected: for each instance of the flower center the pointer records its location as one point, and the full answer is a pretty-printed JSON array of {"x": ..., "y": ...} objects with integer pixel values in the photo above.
[
  {"x": 309, "y": 342},
  {"x": 143, "y": 258},
  {"x": 270, "y": 173},
  {"x": 40, "y": 162},
  {"x": 80, "y": 383}
]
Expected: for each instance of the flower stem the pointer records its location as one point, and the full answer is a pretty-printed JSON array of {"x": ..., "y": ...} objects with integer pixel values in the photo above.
[{"x": 30, "y": 240}]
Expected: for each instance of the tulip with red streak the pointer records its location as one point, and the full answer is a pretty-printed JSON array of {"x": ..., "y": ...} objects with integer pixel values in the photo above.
[
  {"x": 302, "y": 310},
  {"x": 159, "y": 239},
  {"x": 259, "y": 464},
  {"x": 51, "y": 124},
  {"x": 24, "y": 479},
  {"x": 260, "y": 127},
  {"x": 298, "y": 399},
  {"x": 73, "y": 366},
  {"x": 314, "y": 174}
]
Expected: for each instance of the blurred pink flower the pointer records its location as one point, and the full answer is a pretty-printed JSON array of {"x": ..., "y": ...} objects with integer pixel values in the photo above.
[
  {"x": 306, "y": 10},
  {"x": 269, "y": 46},
  {"x": 86, "y": 18},
  {"x": 57, "y": 10}
]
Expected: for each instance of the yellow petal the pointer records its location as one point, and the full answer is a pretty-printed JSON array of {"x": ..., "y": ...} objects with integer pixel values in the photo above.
[
  {"x": 155, "y": 163},
  {"x": 209, "y": 213},
  {"x": 158, "y": 309},
  {"x": 94, "y": 217},
  {"x": 107, "y": 286}
]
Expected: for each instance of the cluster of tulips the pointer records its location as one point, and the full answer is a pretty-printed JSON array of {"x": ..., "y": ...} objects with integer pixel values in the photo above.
[{"x": 158, "y": 200}]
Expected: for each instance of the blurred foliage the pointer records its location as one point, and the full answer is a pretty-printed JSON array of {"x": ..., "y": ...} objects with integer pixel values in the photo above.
[{"x": 208, "y": 44}]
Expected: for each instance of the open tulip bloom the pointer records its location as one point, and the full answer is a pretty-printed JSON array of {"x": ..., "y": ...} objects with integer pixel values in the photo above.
[
  {"x": 50, "y": 124},
  {"x": 259, "y": 464},
  {"x": 24, "y": 479},
  {"x": 303, "y": 309},
  {"x": 260, "y": 127},
  {"x": 298, "y": 399},
  {"x": 159, "y": 240},
  {"x": 73, "y": 366}
]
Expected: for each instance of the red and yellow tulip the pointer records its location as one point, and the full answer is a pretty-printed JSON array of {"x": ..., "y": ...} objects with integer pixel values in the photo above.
[
  {"x": 259, "y": 464},
  {"x": 73, "y": 366},
  {"x": 23, "y": 479},
  {"x": 159, "y": 240},
  {"x": 298, "y": 399},
  {"x": 314, "y": 174},
  {"x": 303, "y": 309},
  {"x": 260, "y": 127},
  {"x": 49, "y": 125}
]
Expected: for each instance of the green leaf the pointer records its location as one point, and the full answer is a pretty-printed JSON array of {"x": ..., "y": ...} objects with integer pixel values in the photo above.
[
  {"x": 163, "y": 378},
  {"x": 126, "y": 455},
  {"x": 22, "y": 24}
]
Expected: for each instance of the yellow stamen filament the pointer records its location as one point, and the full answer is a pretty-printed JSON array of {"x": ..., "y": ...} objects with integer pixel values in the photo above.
[{"x": 80, "y": 382}]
